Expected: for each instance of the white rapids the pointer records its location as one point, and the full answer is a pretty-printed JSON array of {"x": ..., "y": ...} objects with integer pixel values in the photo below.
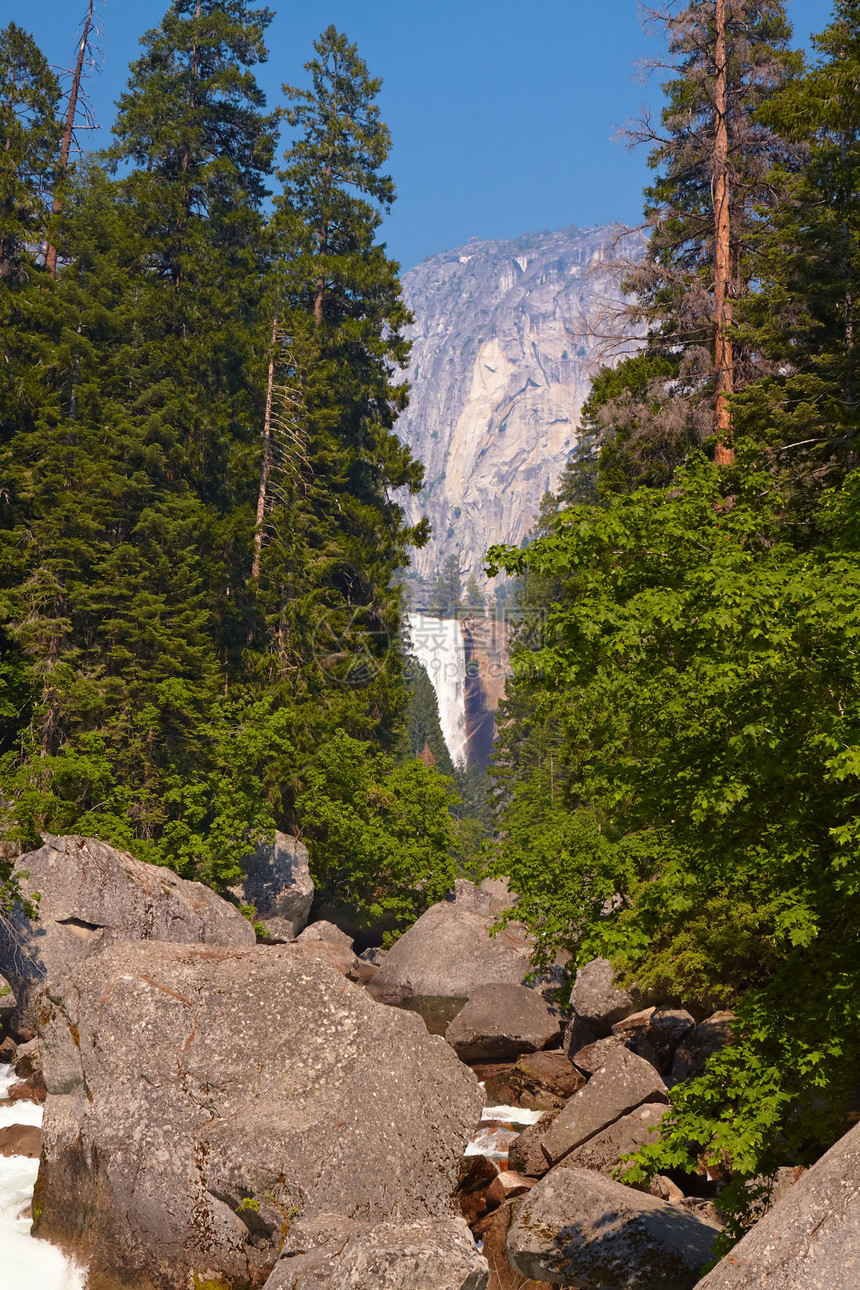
[
  {"x": 26, "y": 1263},
  {"x": 439, "y": 646}
]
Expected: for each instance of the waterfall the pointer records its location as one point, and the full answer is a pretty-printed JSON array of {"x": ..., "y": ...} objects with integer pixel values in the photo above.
[
  {"x": 25, "y": 1261},
  {"x": 439, "y": 646}
]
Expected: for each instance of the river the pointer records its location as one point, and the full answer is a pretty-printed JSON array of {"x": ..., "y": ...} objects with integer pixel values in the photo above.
[{"x": 25, "y": 1263}]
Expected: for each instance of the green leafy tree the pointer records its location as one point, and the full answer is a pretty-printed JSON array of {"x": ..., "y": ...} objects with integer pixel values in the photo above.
[
  {"x": 703, "y": 688},
  {"x": 380, "y": 835},
  {"x": 803, "y": 315}
]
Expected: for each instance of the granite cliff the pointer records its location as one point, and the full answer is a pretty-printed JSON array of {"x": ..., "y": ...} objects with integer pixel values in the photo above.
[{"x": 506, "y": 339}]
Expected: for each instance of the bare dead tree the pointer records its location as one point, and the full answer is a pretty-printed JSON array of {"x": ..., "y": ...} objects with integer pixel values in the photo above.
[{"x": 87, "y": 56}]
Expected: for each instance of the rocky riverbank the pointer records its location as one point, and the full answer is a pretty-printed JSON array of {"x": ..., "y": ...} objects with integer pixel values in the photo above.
[{"x": 228, "y": 1114}]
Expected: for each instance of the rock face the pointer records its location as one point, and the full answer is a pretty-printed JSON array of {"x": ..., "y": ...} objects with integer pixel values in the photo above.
[
  {"x": 623, "y": 1083},
  {"x": 255, "y": 1086},
  {"x": 597, "y": 999},
  {"x": 504, "y": 348},
  {"x": 438, "y": 1255},
  {"x": 93, "y": 896},
  {"x": 811, "y": 1239},
  {"x": 278, "y": 884},
  {"x": 443, "y": 958},
  {"x": 604, "y": 1151},
  {"x": 577, "y": 1228},
  {"x": 499, "y": 1022}
]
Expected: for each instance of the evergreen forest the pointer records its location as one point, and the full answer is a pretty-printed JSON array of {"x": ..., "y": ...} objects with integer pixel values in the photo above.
[
  {"x": 202, "y": 354},
  {"x": 201, "y": 620}
]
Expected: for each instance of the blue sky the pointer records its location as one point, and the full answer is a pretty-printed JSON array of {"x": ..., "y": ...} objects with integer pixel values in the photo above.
[{"x": 502, "y": 113}]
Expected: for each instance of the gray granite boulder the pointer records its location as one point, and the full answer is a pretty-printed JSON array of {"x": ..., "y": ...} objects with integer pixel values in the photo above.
[
  {"x": 590, "y": 1058},
  {"x": 92, "y": 896},
  {"x": 623, "y": 1083},
  {"x": 525, "y": 1153},
  {"x": 499, "y": 1022},
  {"x": 604, "y": 1150},
  {"x": 278, "y": 884},
  {"x": 443, "y": 958},
  {"x": 578, "y": 1228},
  {"x": 597, "y": 999},
  {"x": 433, "y": 1255},
  {"x": 201, "y": 1099},
  {"x": 810, "y": 1240}
]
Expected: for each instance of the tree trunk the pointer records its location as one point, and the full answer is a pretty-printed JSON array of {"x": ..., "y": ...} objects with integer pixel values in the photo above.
[
  {"x": 65, "y": 146},
  {"x": 267, "y": 458},
  {"x": 723, "y": 358}
]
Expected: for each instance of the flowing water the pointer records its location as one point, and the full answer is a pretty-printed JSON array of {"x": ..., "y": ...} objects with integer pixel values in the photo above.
[
  {"x": 25, "y": 1263},
  {"x": 439, "y": 646}
]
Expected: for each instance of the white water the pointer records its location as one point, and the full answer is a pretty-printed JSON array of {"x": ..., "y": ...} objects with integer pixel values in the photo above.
[
  {"x": 25, "y": 1263},
  {"x": 439, "y": 646}
]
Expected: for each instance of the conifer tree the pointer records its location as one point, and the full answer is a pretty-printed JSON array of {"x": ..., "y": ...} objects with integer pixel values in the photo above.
[
  {"x": 716, "y": 161},
  {"x": 804, "y": 314},
  {"x": 340, "y": 342}
]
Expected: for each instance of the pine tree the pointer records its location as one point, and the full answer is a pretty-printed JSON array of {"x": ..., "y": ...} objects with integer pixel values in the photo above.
[
  {"x": 716, "y": 161},
  {"x": 327, "y": 504},
  {"x": 804, "y": 315},
  {"x": 447, "y": 597}
]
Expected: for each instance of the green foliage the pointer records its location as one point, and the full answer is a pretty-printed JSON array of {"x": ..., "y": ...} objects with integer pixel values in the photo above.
[
  {"x": 703, "y": 693},
  {"x": 380, "y": 834}
]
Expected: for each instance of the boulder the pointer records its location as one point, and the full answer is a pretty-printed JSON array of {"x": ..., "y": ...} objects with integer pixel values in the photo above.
[
  {"x": 28, "y": 1059},
  {"x": 698, "y": 1045},
  {"x": 254, "y": 1086},
  {"x": 8, "y": 1048},
  {"x": 433, "y": 1255},
  {"x": 340, "y": 957},
  {"x": 93, "y": 896},
  {"x": 495, "y": 1234},
  {"x": 491, "y": 899},
  {"x": 578, "y": 1228},
  {"x": 476, "y": 1175},
  {"x": 499, "y": 1022},
  {"x": 551, "y": 1071},
  {"x": 21, "y": 1140},
  {"x": 658, "y": 1042},
  {"x": 603, "y": 1152},
  {"x": 443, "y": 958},
  {"x": 597, "y": 999},
  {"x": 278, "y": 882},
  {"x": 525, "y": 1153},
  {"x": 323, "y": 930},
  {"x": 541, "y": 1081},
  {"x": 811, "y": 1239},
  {"x": 507, "y": 1185},
  {"x": 589, "y": 1059},
  {"x": 623, "y": 1083}
]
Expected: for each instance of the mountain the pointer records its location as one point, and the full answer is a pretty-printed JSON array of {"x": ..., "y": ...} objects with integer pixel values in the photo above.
[{"x": 506, "y": 339}]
